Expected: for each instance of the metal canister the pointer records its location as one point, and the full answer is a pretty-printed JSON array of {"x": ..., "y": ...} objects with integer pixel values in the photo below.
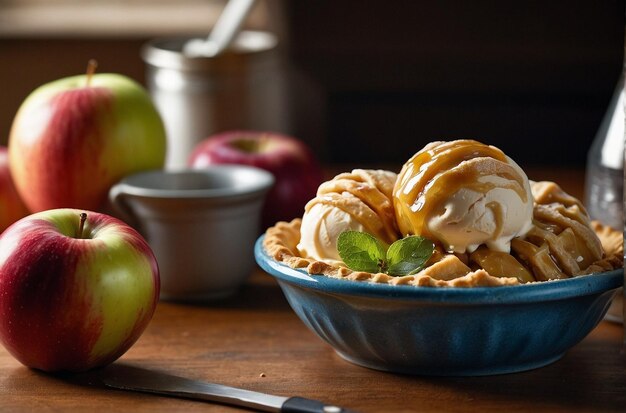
[{"x": 242, "y": 88}]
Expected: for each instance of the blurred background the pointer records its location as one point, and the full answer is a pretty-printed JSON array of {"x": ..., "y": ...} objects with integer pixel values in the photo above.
[{"x": 366, "y": 82}]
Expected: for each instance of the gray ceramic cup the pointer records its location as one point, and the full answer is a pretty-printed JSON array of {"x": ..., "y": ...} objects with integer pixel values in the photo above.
[{"x": 201, "y": 225}]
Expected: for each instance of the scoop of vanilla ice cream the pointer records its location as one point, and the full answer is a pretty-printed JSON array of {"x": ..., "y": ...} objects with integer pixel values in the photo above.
[
  {"x": 360, "y": 200},
  {"x": 321, "y": 226},
  {"x": 472, "y": 218},
  {"x": 463, "y": 194}
]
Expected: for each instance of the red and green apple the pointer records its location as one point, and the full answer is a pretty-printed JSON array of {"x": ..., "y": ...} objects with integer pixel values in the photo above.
[
  {"x": 78, "y": 288},
  {"x": 73, "y": 138},
  {"x": 295, "y": 168}
]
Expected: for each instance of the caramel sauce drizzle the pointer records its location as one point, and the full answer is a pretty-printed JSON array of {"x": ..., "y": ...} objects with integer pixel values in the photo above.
[
  {"x": 434, "y": 173},
  {"x": 550, "y": 250}
]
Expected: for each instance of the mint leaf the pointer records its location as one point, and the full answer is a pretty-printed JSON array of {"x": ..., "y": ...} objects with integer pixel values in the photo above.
[
  {"x": 360, "y": 251},
  {"x": 407, "y": 256}
]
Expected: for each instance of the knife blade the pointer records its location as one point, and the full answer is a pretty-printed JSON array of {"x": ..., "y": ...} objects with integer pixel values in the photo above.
[{"x": 127, "y": 377}]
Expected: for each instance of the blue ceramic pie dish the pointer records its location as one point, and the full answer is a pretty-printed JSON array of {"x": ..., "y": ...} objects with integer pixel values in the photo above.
[{"x": 446, "y": 331}]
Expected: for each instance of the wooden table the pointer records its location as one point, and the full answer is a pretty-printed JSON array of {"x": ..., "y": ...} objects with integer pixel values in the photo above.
[{"x": 254, "y": 341}]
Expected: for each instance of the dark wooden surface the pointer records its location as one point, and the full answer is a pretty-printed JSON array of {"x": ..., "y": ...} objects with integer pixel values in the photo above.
[{"x": 253, "y": 340}]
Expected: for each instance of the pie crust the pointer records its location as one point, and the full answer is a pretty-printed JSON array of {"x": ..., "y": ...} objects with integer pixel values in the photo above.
[{"x": 563, "y": 243}]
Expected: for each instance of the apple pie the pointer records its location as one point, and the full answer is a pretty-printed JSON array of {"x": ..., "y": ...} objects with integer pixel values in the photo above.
[{"x": 491, "y": 226}]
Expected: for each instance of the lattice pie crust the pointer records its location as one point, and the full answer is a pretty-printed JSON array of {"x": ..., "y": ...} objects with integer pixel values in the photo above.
[{"x": 563, "y": 243}]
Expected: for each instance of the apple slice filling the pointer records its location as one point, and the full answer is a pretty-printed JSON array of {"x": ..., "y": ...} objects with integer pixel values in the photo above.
[{"x": 501, "y": 264}]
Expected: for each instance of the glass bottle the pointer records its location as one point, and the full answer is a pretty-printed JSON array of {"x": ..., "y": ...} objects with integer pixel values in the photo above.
[{"x": 604, "y": 186}]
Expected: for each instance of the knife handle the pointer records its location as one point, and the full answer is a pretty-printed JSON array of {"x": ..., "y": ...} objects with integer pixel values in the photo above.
[{"x": 302, "y": 405}]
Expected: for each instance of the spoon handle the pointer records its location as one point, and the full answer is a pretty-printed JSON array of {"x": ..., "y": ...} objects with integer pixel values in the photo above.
[{"x": 228, "y": 24}]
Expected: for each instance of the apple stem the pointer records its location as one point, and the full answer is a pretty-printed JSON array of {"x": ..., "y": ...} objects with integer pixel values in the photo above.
[
  {"x": 92, "y": 65},
  {"x": 81, "y": 225}
]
